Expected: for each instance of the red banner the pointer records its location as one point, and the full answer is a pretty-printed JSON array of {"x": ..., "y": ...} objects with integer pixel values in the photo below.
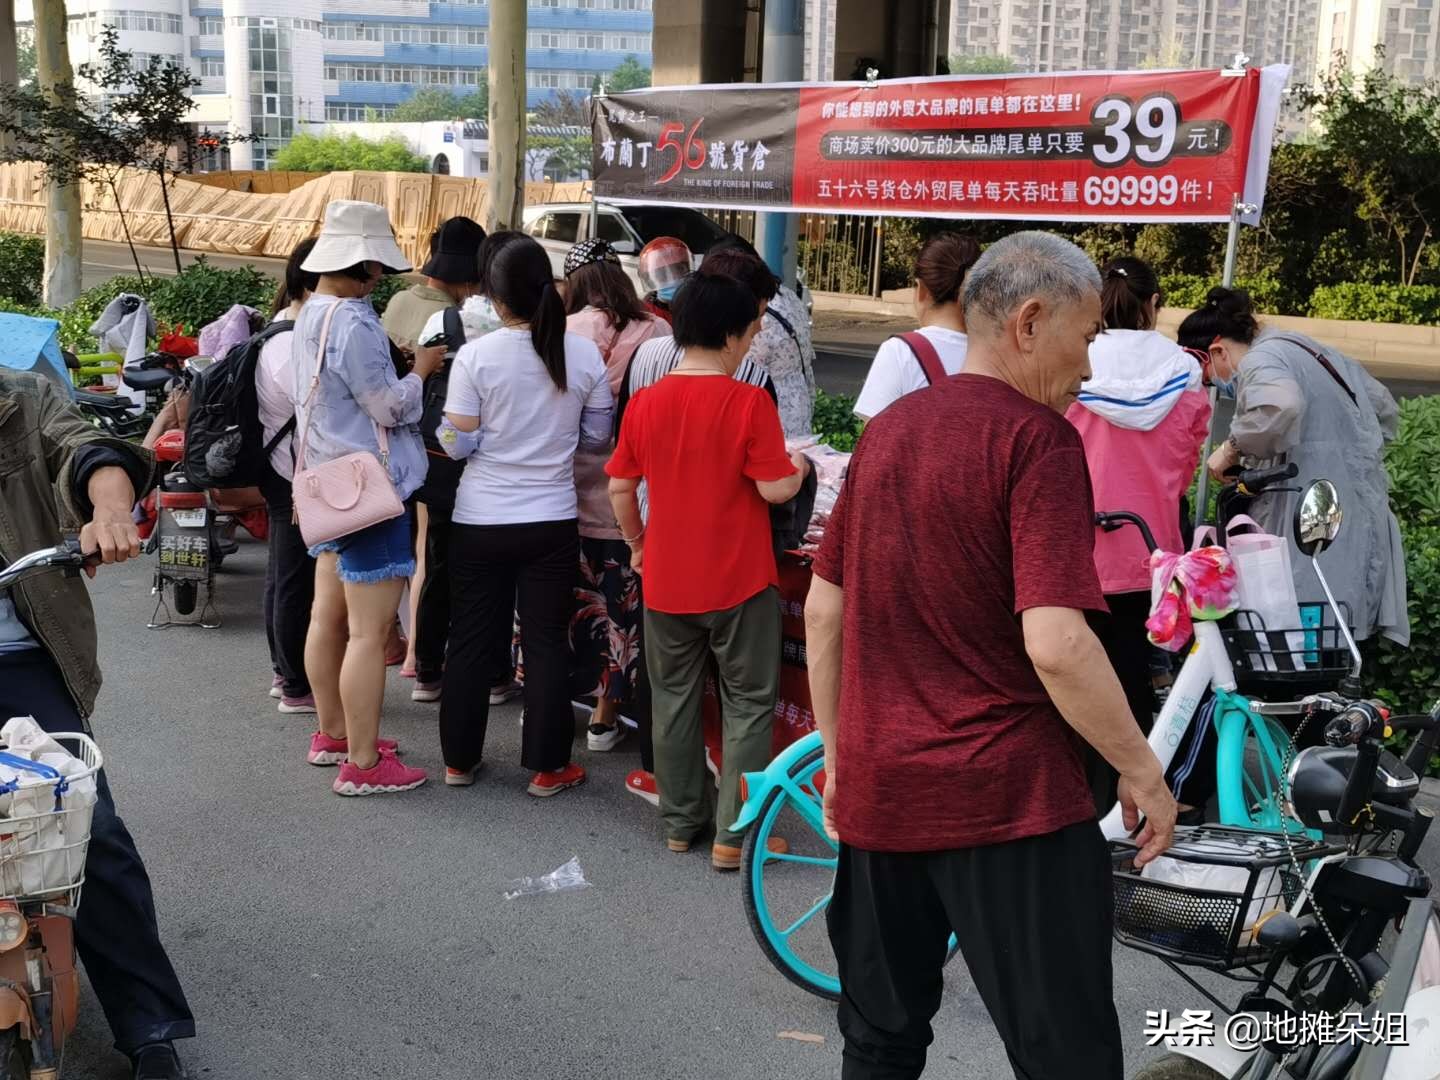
[{"x": 1147, "y": 146}]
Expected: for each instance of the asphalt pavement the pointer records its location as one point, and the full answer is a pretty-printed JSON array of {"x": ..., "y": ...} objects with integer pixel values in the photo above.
[{"x": 322, "y": 938}]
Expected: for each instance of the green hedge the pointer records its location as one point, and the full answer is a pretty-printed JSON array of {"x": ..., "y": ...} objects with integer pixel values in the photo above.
[
  {"x": 22, "y": 263},
  {"x": 1189, "y": 290},
  {"x": 1413, "y": 304}
]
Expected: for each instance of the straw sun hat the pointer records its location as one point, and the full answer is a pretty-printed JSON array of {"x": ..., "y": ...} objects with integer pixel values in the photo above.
[{"x": 355, "y": 232}]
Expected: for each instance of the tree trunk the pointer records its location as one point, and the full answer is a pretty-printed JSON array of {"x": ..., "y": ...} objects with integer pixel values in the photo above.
[
  {"x": 9, "y": 60},
  {"x": 507, "y": 114},
  {"x": 169, "y": 219},
  {"x": 124, "y": 224},
  {"x": 62, "y": 226}
]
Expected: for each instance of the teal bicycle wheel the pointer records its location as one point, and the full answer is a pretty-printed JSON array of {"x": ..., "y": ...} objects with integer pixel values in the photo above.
[
  {"x": 1250, "y": 769},
  {"x": 787, "y": 892}
]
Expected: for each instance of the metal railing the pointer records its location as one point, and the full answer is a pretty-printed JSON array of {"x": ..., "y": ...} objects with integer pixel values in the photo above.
[{"x": 838, "y": 252}]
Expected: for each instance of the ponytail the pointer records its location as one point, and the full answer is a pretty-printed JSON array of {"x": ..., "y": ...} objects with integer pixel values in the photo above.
[
  {"x": 519, "y": 278},
  {"x": 1129, "y": 284},
  {"x": 547, "y": 333}
]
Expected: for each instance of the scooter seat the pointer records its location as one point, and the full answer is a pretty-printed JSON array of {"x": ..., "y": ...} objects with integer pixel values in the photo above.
[
  {"x": 110, "y": 403},
  {"x": 146, "y": 379}
]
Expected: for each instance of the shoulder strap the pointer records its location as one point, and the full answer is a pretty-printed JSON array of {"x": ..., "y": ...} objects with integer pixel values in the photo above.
[
  {"x": 315, "y": 384},
  {"x": 927, "y": 356},
  {"x": 1327, "y": 365},
  {"x": 285, "y": 429},
  {"x": 784, "y": 322},
  {"x": 454, "y": 327}
]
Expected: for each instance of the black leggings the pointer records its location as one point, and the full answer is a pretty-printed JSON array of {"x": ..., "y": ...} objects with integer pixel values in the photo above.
[{"x": 492, "y": 569}]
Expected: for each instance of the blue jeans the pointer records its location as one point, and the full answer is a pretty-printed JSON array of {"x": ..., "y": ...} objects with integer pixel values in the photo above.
[
  {"x": 381, "y": 552},
  {"x": 116, "y": 932}
]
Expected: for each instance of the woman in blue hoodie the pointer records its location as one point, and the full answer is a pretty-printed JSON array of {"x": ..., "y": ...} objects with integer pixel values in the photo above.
[{"x": 1143, "y": 415}]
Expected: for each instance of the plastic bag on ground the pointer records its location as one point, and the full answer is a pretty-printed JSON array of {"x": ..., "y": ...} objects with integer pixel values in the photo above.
[{"x": 562, "y": 879}]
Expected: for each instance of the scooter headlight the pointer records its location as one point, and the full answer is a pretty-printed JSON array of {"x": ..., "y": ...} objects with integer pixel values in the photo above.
[{"x": 13, "y": 928}]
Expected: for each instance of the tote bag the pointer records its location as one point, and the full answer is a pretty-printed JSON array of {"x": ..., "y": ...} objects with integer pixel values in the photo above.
[
  {"x": 1262, "y": 564},
  {"x": 348, "y": 494}
]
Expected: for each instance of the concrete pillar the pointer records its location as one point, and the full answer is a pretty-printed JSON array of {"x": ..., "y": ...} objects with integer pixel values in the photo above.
[
  {"x": 507, "y": 114},
  {"x": 699, "y": 41},
  {"x": 62, "y": 229},
  {"x": 782, "y": 60}
]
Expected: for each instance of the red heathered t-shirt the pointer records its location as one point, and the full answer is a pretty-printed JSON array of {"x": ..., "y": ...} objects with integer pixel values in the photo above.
[
  {"x": 965, "y": 504},
  {"x": 701, "y": 442}
]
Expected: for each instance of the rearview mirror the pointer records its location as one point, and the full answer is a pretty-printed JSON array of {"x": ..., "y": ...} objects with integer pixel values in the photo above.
[
  {"x": 623, "y": 247},
  {"x": 1317, "y": 518}
]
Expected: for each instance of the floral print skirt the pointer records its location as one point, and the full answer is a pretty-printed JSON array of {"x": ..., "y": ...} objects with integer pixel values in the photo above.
[{"x": 605, "y": 629}]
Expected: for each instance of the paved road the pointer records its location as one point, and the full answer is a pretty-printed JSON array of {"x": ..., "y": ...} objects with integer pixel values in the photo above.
[
  {"x": 330, "y": 939},
  {"x": 104, "y": 260}
]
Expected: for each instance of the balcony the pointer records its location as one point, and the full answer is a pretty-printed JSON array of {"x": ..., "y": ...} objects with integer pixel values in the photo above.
[{"x": 207, "y": 44}]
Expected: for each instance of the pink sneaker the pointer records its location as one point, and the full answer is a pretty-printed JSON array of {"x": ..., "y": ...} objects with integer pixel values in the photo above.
[
  {"x": 388, "y": 775},
  {"x": 327, "y": 751}
]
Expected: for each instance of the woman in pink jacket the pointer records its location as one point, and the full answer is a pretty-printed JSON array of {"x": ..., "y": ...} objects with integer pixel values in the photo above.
[
  {"x": 1143, "y": 415},
  {"x": 605, "y": 629}
]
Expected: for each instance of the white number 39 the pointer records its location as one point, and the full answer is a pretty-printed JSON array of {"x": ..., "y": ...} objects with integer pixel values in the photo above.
[{"x": 1154, "y": 124}]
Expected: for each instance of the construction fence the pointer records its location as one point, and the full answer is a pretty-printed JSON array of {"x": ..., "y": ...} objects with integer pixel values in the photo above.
[{"x": 240, "y": 214}]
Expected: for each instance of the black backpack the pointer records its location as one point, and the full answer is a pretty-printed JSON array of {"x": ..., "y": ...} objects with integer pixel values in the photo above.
[
  {"x": 224, "y": 442},
  {"x": 442, "y": 479}
]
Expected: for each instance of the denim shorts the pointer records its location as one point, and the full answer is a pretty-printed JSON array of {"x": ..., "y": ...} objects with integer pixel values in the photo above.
[{"x": 377, "y": 553}]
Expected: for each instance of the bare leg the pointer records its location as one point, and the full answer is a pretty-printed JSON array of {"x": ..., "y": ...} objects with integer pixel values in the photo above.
[
  {"x": 325, "y": 645},
  {"x": 371, "y": 607},
  {"x": 606, "y": 712},
  {"x": 417, "y": 581}
]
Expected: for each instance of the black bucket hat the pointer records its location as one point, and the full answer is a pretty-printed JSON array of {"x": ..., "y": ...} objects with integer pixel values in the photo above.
[{"x": 452, "y": 255}]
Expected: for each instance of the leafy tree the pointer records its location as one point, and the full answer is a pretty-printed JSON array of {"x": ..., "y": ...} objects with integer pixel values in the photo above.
[
  {"x": 433, "y": 103},
  {"x": 563, "y": 155},
  {"x": 338, "y": 153},
  {"x": 1381, "y": 137},
  {"x": 962, "y": 64},
  {"x": 138, "y": 117},
  {"x": 25, "y": 60},
  {"x": 566, "y": 109},
  {"x": 1169, "y": 56},
  {"x": 630, "y": 75}
]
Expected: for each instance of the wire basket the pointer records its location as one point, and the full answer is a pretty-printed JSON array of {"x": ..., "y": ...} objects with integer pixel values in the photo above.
[
  {"x": 45, "y": 827},
  {"x": 1199, "y": 903},
  {"x": 1287, "y": 661}
]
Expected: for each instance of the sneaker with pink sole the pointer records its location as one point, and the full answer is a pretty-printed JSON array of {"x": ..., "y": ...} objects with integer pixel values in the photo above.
[
  {"x": 389, "y": 775},
  {"x": 327, "y": 751},
  {"x": 296, "y": 705}
]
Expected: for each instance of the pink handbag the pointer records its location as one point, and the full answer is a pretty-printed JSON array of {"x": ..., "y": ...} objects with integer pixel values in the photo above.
[{"x": 348, "y": 494}]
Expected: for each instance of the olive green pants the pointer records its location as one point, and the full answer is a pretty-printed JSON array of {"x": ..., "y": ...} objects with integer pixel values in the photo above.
[{"x": 745, "y": 644}]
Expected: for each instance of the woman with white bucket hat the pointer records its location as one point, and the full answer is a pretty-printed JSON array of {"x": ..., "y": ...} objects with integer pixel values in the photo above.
[{"x": 359, "y": 577}]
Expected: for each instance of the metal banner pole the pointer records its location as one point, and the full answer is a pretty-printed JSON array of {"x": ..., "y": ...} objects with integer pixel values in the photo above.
[{"x": 1232, "y": 242}]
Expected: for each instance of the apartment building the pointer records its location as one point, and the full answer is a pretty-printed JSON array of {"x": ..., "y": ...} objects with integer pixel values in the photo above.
[
  {"x": 268, "y": 67},
  {"x": 1405, "y": 28}
]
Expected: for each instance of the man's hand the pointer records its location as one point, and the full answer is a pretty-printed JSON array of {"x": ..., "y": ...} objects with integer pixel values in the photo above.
[
  {"x": 1224, "y": 457},
  {"x": 637, "y": 555},
  {"x": 827, "y": 802},
  {"x": 111, "y": 531},
  {"x": 1150, "y": 796}
]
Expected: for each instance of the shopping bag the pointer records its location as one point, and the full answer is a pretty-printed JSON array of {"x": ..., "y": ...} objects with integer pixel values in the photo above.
[{"x": 1262, "y": 565}]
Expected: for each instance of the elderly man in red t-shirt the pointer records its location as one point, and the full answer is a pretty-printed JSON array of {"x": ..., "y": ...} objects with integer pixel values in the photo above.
[{"x": 954, "y": 675}]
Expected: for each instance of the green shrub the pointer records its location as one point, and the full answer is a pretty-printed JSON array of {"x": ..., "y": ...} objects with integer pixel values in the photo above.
[
  {"x": 389, "y": 285},
  {"x": 831, "y": 266},
  {"x": 1413, "y": 304},
  {"x": 202, "y": 293},
  {"x": 76, "y": 320},
  {"x": 22, "y": 265},
  {"x": 835, "y": 421},
  {"x": 1188, "y": 291},
  {"x": 900, "y": 249}
]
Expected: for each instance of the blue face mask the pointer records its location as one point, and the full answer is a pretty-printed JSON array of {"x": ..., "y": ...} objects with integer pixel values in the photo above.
[
  {"x": 667, "y": 292},
  {"x": 1225, "y": 389}
]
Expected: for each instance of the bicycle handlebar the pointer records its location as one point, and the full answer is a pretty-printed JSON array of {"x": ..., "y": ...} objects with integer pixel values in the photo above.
[
  {"x": 66, "y": 556},
  {"x": 1117, "y": 519},
  {"x": 1254, "y": 481}
]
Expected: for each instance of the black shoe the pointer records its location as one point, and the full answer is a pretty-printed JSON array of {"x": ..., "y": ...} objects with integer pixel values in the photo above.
[{"x": 158, "y": 1061}]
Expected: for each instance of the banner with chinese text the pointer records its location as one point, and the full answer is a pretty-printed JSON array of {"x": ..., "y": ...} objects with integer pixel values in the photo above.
[{"x": 1131, "y": 146}]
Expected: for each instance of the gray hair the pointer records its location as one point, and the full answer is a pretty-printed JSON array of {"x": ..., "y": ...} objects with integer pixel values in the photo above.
[{"x": 1023, "y": 265}]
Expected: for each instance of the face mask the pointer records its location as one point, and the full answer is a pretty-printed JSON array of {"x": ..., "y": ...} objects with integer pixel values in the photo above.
[
  {"x": 1225, "y": 389},
  {"x": 667, "y": 292}
]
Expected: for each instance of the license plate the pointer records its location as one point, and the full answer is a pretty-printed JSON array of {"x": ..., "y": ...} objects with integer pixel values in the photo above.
[{"x": 189, "y": 519}]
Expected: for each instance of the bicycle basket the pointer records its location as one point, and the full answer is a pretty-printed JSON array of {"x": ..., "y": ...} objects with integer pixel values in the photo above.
[
  {"x": 1198, "y": 904},
  {"x": 45, "y": 827},
  {"x": 1287, "y": 661}
]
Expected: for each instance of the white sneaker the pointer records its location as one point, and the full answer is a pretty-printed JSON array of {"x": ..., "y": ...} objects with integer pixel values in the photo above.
[
  {"x": 603, "y": 739},
  {"x": 499, "y": 695},
  {"x": 425, "y": 691}
]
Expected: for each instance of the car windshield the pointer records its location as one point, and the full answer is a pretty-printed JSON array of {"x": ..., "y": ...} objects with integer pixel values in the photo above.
[{"x": 698, "y": 231}]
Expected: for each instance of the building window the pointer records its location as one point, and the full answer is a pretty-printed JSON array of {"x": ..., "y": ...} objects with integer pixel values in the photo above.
[
  {"x": 272, "y": 88},
  {"x": 212, "y": 67},
  {"x": 474, "y": 37},
  {"x": 152, "y": 22},
  {"x": 559, "y": 80},
  {"x": 441, "y": 165},
  {"x": 212, "y": 24}
]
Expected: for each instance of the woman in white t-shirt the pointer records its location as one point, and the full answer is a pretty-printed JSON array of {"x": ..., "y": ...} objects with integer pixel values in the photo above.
[
  {"x": 898, "y": 369},
  {"x": 290, "y": 572},
  {"x": 522, "y": 399}
]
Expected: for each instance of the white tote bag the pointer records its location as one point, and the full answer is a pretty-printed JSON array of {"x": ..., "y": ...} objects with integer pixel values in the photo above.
[{"x": 1266, "y": 587}]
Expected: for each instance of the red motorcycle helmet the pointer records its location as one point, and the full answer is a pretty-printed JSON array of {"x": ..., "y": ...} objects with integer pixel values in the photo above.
[{"x": 664, "y": 262}]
